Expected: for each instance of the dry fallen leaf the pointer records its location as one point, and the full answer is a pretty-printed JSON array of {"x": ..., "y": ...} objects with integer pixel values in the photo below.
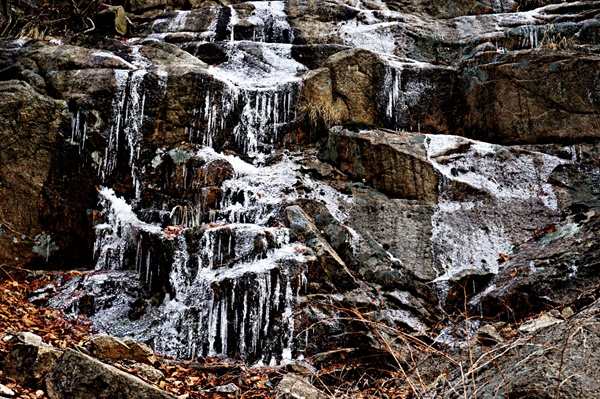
[{"x": 505, "y": 257}]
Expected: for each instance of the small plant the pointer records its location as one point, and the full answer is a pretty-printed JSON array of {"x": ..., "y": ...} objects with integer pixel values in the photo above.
[
  {"x": 355, "y": 126},
  {"x": 318, "y": 117},
  {"x": 36, "y": 19},
  {"x": 44, "y": 246},
  {"x": 555, "y": 41}
]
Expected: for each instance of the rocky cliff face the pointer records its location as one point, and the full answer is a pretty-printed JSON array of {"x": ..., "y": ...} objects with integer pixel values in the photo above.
[{"x": 264, "y": 168}]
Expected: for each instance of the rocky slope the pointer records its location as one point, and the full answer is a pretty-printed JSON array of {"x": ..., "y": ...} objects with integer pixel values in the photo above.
[{"x": 271, "y": 180}]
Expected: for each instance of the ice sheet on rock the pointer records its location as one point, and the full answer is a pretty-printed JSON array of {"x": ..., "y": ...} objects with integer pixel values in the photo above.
[
  {"x": 106, "y": 54},
  {"x": 375, "y": 37},
  {"x": 468, "y": 27},
  {"x": 270, "y": 22},
  {"x": 113, "y": 292},
  {"x": 243, "y": 303},
  {"x": 119, "y": 232},
  {"x": 466, "y": 243},
  {"x": 264, "y": 66},
  {"x": 266, "y": 189},
  {"x": 400, "y": 317},
  {"x": 467, "y": 237},
  {"x": 229, "y": 244},
  {"x": 495, "y": 169}
]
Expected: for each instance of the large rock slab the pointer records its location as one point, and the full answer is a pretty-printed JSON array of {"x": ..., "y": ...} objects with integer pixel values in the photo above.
[
  {"x": 294, "y": 386},
  {"x": 559, "y": 360},
  {"x": 31, "y": 128},
  {"x": 557, "y": 268},
  {"x": 106, "y": 347},
  {"x": 440, "y": 194},
  {"x": 362, "y": 86},
  {"x": 78, "y": 376},
  {"x": 395, "y": 164},
  {"x": 534, "y": 96},
  {"x": 331, "y": 269},
  {"x": 30, "y": 360}
]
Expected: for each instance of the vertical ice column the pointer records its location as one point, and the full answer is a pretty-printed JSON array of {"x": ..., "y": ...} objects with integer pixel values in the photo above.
[
  {"x": 233, "y": 21},
  {"x": 78, "y": 131},
  {"x": 128, "y": 116},
  {"x": 210, "y": 114},
  {"x": 120, "y": 232},
  {"x": 265, "y": 113},
  {"x": 111, "y": 150},
  {"x": 270, "y": 22},
  {"x": 134, "y": 118},
  {"x": 403, "y": 98}
]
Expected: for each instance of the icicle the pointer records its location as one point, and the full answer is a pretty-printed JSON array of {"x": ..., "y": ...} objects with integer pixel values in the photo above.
[
  {"x": 212, "y": 325},
  {"x": 178, "y": 23},
  {"x": 224, "y": 325},
  {"x": 233, "y": 21},
  {"x": 243, "y": 349},
  {"x": 288, "y": 335}
]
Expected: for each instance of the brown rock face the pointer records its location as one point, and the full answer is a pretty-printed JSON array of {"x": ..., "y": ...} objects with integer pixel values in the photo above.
[
  {"x": 106, "y": 347},
  {"x": 395, "y": 164},
  {"x": 359, "y": 86},
  {"x": 30, "y": 130},
  {"x": 534, "y": 97}
]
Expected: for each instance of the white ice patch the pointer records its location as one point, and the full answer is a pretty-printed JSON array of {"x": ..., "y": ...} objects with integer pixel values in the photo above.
[
  {"x": 465, "y": 238},
  {"x": 274, "y": 66},
  {"x": 495, "y": 169},
  {"x": 468, "y": 27},
  {"x": 106, "y": 54},
  {"x": 377, "y": 37},
  {"x": 119, "y": 231},
  {"x": 264, "y": 189},
  {"x": 269, "y": 19}
]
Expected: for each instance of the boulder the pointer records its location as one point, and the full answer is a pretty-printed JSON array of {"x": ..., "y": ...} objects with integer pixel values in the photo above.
[
  {"x": 400, "y": 227},
  {"x": 106, "y": 347},
  {"x": 141, "y": 6},
  {"x": 395, "y": 164},
  {"x": 172, "y": 58},
  {"x": 50, "y": 59},
  {"x": 294, "y": 386},
  {"x": 148, "y": 372},
  {"x": 78, "y": 376},
  {"x": 330, "y": 269},
  {"x": 534, "y": 96},
  {"x": 29, "y": 360},
  {"x": 112, "y": 20}
]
